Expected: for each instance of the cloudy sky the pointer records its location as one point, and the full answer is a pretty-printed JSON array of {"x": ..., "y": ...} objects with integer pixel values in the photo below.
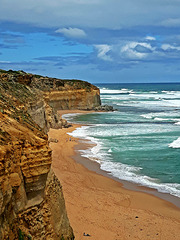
[{"x": 93, "y": 40}]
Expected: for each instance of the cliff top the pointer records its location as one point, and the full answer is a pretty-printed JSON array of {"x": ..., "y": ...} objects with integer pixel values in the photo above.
[
  {"x": 44, "y": 83},
  {"x": 19, "y": 90}
]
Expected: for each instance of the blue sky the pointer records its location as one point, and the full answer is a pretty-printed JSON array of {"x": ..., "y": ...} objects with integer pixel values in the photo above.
[{"x": 93, "y": 40}]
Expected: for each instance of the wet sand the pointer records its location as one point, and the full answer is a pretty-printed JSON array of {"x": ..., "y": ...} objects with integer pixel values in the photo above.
[{"x": 100, "y": 206}]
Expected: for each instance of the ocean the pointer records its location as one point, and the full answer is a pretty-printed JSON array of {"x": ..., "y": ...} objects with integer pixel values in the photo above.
[{"x": 140, "y": 141}]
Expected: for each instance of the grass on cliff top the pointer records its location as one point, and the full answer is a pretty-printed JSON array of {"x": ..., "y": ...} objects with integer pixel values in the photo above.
[
  {"x": 15, "y": 90},
  {"x": 12, "y": 71},
  {"x": 14, "y": 98},
  {"x": 74, "y": 83}
]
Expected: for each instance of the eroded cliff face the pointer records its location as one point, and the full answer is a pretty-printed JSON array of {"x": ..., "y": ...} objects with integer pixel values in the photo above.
[
  {"x": 31, "y": 198},
  {"x": 44, "y": 96},
  {"x": 30, "y": 194},
  {"x": 57, "y": 94},
  {"x": 70, "y": 99}
]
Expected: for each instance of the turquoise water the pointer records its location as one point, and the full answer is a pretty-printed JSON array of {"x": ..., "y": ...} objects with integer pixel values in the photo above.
[{"x": 140, "y": 142}]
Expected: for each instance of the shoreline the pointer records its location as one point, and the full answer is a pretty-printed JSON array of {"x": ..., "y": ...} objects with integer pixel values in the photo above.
[
  {"x": 101, "y": 206},
  {"x": 95, "y": 166}
]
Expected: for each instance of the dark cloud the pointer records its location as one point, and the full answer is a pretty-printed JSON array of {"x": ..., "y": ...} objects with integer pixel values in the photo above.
[
  {"x": 102, "y": 13},
  {"x": 19, "y": 27},
  {"x": 75, "y": 59},
  {"x": 21, "y": 63},
  {"x": 49, "y": 58},
  {"x": 142, "y": 49},
  {"x": 11, "y": 41},
  {"x": 8, "y": 46}
]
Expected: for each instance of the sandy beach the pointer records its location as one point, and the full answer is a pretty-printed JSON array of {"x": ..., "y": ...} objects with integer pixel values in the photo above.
[{"x": 99, "y": 206}]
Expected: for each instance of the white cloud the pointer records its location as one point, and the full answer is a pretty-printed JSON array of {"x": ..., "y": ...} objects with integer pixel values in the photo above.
[
  {"x": 169, "y": 47},
  {"x": 103, "y": 49},
  {"x": 150, "y": 38},
  {"x": 171, "y": 22},
  {"x": 5, "y": 62},
  {"x": 72, "y": 32},
  {"x": 129, "y": 50}
]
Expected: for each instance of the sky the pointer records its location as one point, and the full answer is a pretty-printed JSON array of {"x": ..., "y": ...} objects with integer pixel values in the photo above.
[{"x": 101, "y": 41}]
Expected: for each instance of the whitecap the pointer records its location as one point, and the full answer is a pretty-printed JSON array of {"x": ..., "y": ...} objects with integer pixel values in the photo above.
[
  {"x": 131, "y": 174},
  {"x": 175, "y": 143},
  {"x": 159, "y": 119},
  {"x": 164, "y": 114},
  {"x": 148, "y": 115},
  {"x": 169, "y": 92},
  {"x": 174, "y": 102},
  {"x": 111, "y": 91},
  {"x": 70, "y": 116}
]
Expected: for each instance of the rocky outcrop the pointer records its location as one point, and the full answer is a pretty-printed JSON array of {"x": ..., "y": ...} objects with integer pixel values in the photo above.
[{"x": 104, "y": 108}]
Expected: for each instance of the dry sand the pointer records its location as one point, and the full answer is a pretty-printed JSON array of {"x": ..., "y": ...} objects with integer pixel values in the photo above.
[{"x": 101, "y": 207}]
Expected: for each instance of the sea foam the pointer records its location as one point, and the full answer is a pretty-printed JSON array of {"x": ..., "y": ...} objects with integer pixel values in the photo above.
[
  {"x": 128, "y": 125},
  {"x": 121, "y": 91},
  {"x": 120, "y": 170},
  {"x": 130, "y": 173},
  {"x": 175, "y": 144}
]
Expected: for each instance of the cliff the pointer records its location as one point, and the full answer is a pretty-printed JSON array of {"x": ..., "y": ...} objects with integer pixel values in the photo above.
[
  {"x": 57, "y": 94},
  {"x": 31, "y": 198}
]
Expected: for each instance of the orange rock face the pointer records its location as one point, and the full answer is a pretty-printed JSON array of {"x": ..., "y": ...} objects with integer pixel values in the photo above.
[
  {"x": 31, "y": 197},
  {"x": 73, "y": 99},
  {"x": 25, "y": 160}
]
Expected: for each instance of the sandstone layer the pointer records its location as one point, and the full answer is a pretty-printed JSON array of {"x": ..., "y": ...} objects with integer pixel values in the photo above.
[{"x": 31, "y": 198}]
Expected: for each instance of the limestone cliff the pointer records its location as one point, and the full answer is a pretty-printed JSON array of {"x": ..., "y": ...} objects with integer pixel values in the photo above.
[
  {"x": 31, "y": 199},
  {"x": 58, "y": 94}
]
